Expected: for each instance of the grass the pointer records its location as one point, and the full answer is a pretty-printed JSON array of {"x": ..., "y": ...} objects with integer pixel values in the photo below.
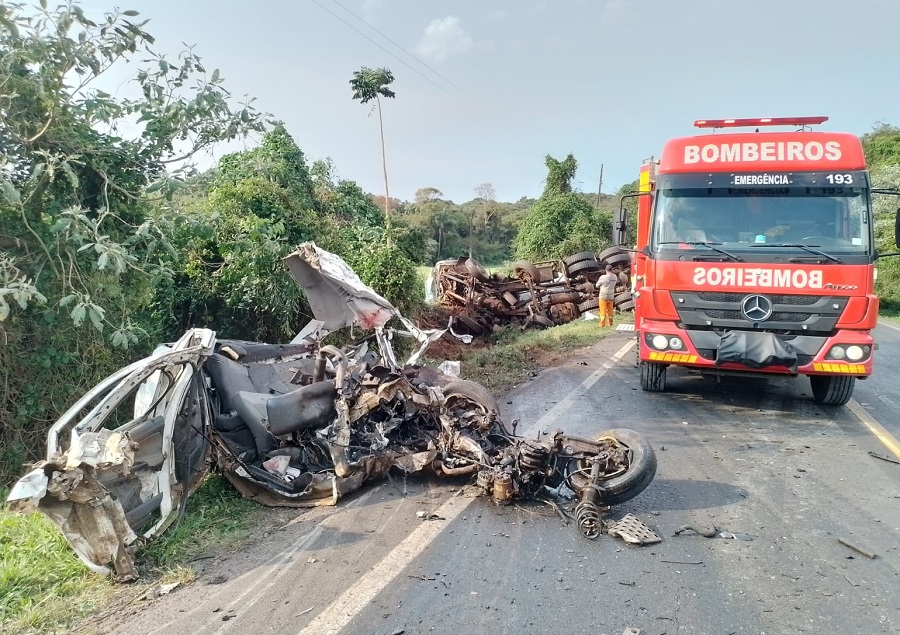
[
  {"x": 44, "y": 588},
  {"x": 513, "y": 353},
  {"x": 43, "y": 585}
]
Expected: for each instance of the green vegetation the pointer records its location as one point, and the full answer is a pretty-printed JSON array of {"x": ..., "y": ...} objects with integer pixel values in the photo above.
[
  {"x": 561, "y": 222},
  {"x": 882, "y": 147},
  {"x": 44, "y": 587},
  {"x": 112, "y": 243},
  {"x": 513, "y": 353}
]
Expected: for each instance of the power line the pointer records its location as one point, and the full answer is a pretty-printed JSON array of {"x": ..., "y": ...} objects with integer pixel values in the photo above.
[
  {"x": 412, "y": 55},
  {"x": 415, "y": 70}
]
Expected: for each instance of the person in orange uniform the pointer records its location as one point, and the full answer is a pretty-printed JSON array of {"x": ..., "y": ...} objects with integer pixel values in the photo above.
[{"x": 606, "y": 285}]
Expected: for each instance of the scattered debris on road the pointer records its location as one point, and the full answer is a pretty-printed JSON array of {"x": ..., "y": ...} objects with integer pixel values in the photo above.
[
  {"x": 865, "y": 552},
  {"x": 633, "y": 531},
  {"x": 883, "y": 457}
]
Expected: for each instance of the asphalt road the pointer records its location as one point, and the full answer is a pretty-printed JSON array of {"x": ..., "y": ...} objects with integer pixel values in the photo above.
[{"x": 753, "y": 457}]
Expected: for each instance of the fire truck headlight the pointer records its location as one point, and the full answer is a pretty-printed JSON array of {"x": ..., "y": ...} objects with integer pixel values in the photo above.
[
  {"x": 675, "y": 343},
  {"x": 659, "y": 342},
  {"x": 837, "y": 352},
  {"x": 855, "y": 353}
]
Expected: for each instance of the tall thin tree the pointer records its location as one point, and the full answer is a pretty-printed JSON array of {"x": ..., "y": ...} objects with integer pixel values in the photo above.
[{"x": 368, "y": 84}]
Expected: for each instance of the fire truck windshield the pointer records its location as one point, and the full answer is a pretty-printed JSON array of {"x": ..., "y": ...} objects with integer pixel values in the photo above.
[{"x": 746, "y": 212}]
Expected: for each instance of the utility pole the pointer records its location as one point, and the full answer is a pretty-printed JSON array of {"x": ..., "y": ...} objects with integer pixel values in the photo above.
[{"x": 600, "y": 186}]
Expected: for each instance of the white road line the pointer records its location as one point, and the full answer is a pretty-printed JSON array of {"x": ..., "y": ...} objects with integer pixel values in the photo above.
[
  {"x": 340, "y": 612},
  {"x": 886, "y": 438},
  {"x": 888, "y": 324},
  {"x": 272, "y": 563}
]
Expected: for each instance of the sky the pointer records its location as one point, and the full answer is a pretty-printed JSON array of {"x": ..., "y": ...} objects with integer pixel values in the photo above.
[{"x": 486, "y": 88}]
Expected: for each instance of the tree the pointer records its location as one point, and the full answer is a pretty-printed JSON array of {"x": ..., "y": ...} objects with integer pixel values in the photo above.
[
  {"x": 561, "y": 222},
  {"x": 80, "y": 253},
  {"x": 369, "y": 84}
]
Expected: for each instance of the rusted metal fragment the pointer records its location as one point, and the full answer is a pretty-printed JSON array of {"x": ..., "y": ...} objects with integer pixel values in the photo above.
[{"x": 633, "y": 531}]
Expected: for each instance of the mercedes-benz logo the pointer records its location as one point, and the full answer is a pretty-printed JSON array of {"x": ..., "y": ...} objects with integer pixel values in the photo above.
[{"x": 756, "y": 308}]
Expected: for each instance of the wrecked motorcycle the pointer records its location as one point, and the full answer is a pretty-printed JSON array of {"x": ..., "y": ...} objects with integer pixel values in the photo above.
[{"x": 298, "y": 424}]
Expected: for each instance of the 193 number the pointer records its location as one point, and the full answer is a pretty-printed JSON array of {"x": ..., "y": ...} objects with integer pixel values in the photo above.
[{"x": 839, "y": 179}]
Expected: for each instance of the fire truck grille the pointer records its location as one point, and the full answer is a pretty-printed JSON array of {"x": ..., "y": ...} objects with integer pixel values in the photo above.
[
  {"x": 796, "y": 300},
  {"x": 791, "y": 314},
  {"x": 777, "y": 316}
]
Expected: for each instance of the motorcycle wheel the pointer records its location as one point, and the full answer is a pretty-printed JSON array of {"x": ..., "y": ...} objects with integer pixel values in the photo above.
[{"x": 638, "y": 475}]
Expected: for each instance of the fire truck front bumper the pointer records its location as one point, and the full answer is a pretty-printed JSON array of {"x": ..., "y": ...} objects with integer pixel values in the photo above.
[{"x": 845, "y": 353}]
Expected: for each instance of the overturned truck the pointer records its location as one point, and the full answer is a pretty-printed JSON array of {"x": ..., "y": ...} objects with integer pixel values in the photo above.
[
  {"x": 536, "y": 295},
  {"x": 298, "y": 424}
]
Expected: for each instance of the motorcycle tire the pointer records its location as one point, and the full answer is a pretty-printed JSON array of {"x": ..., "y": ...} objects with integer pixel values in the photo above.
[{"x": 639, "y": 474}]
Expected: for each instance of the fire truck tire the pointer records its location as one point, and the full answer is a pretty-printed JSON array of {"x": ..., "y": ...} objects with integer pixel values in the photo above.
[
  {"x": 584, "y": 265},
  {"x": 579, "y": 257},
  {"x": 653, "y": 377},
  {"x": 588, "y": 305},
  {"x": 524, "y": 267},
  {"x": 622, "y": 260},
  {"x": 626, "y": 306},
  {"x": 606, "y": 254},
  {"x": 639, "y": 473},
  {"x": 833, "y": 390}
]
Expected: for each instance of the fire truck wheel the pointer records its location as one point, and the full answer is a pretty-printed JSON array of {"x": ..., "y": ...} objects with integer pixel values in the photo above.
[
  {"x": 639, "y": 473},
  {"x": 524, "y": 267},
  {"x": 606, "y": 254},
  {"x": 834, "y": 390},
  {"x": 653, "y": 377},
  {"x": 584, "y": 265},
  {"x": 584, "y": 255}
]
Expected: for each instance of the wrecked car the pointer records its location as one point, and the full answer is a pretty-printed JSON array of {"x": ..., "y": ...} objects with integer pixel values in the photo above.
[
  {"x": 298, "y": 424},
  {"x": 536, "y": 295}
]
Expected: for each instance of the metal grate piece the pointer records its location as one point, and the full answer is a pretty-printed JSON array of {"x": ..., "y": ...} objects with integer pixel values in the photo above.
[{"x": 633, "y": 531}]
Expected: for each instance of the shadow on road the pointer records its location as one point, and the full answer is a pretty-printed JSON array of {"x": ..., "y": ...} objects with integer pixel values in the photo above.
[{"x": 678, "y": 495}]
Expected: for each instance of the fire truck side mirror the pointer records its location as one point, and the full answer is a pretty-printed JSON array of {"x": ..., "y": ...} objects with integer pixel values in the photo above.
[
  {"x": 620, "y": 229},
  {"x": 620, "y": 224}
]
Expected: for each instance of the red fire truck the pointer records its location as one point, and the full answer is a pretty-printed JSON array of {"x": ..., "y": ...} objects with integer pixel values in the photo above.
[{"x": 755, "y": 254}]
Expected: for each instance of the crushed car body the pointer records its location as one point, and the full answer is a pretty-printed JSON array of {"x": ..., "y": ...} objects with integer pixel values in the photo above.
[{"x": 297, "y": 424}]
